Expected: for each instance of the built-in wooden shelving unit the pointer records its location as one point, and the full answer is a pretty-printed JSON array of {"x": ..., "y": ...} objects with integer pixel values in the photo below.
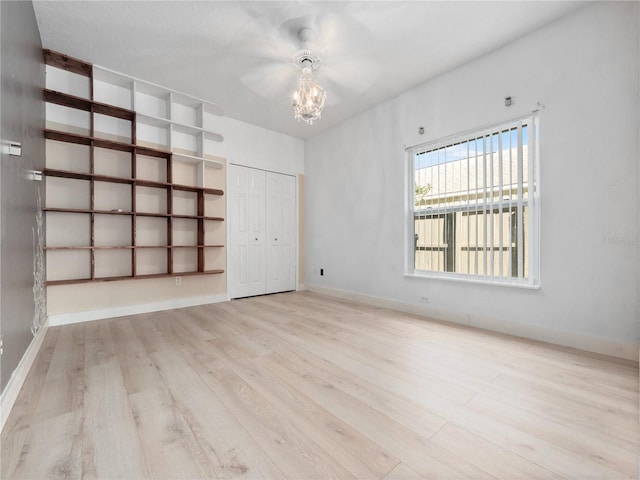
[{"x": 113, "y": 209}]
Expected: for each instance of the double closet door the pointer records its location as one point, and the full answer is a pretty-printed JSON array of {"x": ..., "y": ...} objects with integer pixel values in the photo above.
[{"x": 263, "y": 227}]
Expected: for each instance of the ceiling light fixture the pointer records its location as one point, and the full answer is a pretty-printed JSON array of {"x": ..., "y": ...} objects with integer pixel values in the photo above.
[{"x": 309, "y": 98}]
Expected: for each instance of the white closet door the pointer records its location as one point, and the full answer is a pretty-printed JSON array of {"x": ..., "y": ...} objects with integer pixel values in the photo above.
[
  {"x": 246, "y": 232},
  {"x": 281, "y": 235}
]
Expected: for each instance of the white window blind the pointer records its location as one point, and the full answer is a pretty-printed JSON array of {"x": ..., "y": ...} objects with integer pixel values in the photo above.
[{"x": 474, "y": 203}]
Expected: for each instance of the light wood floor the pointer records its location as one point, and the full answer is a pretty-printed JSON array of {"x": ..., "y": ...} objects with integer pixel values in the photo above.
[{"x": 302, "y": 386}]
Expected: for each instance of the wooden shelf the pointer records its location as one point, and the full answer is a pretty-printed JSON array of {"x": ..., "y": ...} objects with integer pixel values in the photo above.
[
  {"x": 199, "y": 217},
  {"x": 79, "y": 103},
  {"x": 131, "y": 181},
  {"x": 129, "y": 247},
  {"x": 151, "y": 214},
  {"x": 130, "y": 277},
  {"x": 95, "y": 247},
  {"x": 138, "y": 214},
  {"x": 51, "y": 172},
  {"x": 80, "y": 210},
  {"x": 104, "y": 143},
  {"x": 195, "y": 246}
]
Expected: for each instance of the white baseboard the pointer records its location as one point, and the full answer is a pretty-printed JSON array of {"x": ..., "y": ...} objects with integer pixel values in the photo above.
[
  {"x": 604, "y": 346},
  {"x": 90, "y": 315},
  {"x": 19, "y": 375}
]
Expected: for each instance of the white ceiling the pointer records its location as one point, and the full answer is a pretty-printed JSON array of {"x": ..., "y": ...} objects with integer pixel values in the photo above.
[{"x": 236, "y": 54}]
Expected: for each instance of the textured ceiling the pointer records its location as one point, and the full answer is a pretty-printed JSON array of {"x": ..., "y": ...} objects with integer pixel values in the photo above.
[{"x": 236, "y": 54}]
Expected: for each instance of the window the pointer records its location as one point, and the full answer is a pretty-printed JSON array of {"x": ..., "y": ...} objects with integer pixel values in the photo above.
[{"x": 474, "y": 205}]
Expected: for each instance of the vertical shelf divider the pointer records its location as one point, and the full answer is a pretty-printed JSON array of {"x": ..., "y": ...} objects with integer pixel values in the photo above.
[
  {"x": 92, "y": 203},
  {"x": 169, "y": 108},
  {"x": 92, "y": 217},
  {"x": 134, "y": 84},
  {"x": 201, "y": 235},
  {"x": 134, "y": 217},
  {"x": 200, "y": 122},
  {"x": 169, "y": 176}
]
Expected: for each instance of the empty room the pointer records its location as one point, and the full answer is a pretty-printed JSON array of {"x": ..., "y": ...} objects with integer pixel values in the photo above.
[{"x": 381, "y": 240}]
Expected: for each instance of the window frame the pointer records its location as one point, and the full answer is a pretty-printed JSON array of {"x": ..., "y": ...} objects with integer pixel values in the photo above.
[{"x": 532, "y": 203}]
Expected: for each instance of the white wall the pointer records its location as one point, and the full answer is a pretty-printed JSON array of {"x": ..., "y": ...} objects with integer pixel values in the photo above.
[
  {"x": 252, "y": 146},
  {"x": 21, "y": 120},
  {"x": 584, "y": 70}
]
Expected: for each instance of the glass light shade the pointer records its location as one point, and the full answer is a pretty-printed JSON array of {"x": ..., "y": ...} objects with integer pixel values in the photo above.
[{"x": 308, "y": 100}]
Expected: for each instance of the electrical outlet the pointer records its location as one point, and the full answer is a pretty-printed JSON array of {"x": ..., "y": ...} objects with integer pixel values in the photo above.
[
  {"x": 178, "y": 280},
  {"x": 424, "y": 299},
  {"x": 322, "y": 272}
]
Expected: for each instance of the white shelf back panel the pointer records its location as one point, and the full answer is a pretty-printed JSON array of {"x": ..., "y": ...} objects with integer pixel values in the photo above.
[
  {"x": 150, "y": 104},
  {"x": 112, "y": 196},
  {"x": 67, "y": 119},
  {"x": 111, "y": 162},
  {"x": 185, "y": 203},
  {"x": 112, "y": 94},
  {"x": 185, "y": 173},
  {"x": 151, "y": 231},
  {"x": 152, "y": 136},
  {"x": 67, "y": 193},
  {"x": 68, "y": 230},
  {"x": 189, "y": 143},
  {"x": 185, "y": 260},
  {"x": 68, "y": 156},
  {"x": 112, "y": 263},
  {"x": 111, "y": 128},
  {"x": 68, "y": 82},
  {"x": 112, "y": 230},
  {"x": 151, "y": 168},
  {"x": 151, "y": 261},
  {"x": 68, "y": 264},
  {"x": 185, "y": 231},
  {"x": 151, "y": 200}
]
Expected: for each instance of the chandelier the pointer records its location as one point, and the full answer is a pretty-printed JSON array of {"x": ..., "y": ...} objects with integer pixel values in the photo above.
[{"x": 308, "y": 100}]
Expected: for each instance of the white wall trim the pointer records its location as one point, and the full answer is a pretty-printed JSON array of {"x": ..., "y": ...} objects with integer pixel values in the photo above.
[
  {"x": 90, "y": 315},
  {"x": 604, "y": 346},
  {"x": 19, "y": 375}
]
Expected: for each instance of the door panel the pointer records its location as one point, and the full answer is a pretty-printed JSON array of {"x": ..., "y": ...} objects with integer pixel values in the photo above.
[
  {"x": 246, "y": 226},
  {"x": 281, "y": 236},
  {"x": 262, "y": 225}
]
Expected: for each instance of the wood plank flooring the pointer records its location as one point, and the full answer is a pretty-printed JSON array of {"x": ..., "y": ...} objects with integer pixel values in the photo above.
[{"x": 302, "y": 386}]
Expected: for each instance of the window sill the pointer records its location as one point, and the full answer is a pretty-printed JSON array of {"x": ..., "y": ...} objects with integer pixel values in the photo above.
[{"x": 471, "y": 280}]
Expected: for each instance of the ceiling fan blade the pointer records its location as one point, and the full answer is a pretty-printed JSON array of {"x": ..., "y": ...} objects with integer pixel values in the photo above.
[
  {"x": 349, "y": 77},
  {"x": 269, "y": 80}
]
